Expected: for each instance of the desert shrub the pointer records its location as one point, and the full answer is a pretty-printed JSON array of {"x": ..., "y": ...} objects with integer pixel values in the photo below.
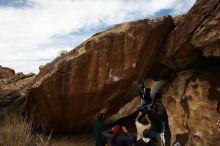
[
  {"x": 15, "y": 130},
  {"x": 63, "y": 52}
]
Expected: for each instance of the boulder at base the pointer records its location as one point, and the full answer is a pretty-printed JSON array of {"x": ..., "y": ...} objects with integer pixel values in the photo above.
[{"x": 193, "y": 106}]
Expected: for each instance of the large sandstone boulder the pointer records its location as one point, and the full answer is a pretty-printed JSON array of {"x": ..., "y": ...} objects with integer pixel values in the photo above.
[
  {"x": 196, "y": 31},
  {"x": 193, "y": 104},
  {"x": 100, "y": 73}
]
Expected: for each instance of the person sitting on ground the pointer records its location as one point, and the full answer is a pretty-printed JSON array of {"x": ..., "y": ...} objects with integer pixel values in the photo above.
[
  {"x": 98, "y": 129},
  {"x": 131, "y": 138},
  {"x": 145, "y": 95},
  {"x": 159, "y": 117},
  {"x": 142, "y": 122},
  {"x": 146, "y": 140},
  {"x": 119, "y": 136}
]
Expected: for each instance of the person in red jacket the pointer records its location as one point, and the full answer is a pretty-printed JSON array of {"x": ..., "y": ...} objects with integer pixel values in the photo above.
[{"x": 119, "y": 136}]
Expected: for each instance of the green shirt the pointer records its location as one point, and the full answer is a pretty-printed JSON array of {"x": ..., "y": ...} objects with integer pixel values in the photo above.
[{"x": 98, "y": 129}]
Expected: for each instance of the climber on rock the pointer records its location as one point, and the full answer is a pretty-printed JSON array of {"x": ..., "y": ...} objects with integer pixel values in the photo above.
[
  {"x": 98, "y": 129},
  {"x": 145, "y": 97},
  {"x": 119, "y": 136}
]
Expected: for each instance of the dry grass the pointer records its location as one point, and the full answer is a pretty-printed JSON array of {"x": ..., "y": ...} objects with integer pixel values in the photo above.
[{"x": 16, "y": 131}]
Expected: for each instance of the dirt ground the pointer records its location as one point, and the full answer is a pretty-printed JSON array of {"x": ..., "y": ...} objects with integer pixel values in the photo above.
[{"x": 85, "y": 139}]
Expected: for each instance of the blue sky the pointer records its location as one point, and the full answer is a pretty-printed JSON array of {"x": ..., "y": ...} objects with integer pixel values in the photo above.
[
  {"x": 33, "y": 32},
  {"x": 15, "y": 3}
]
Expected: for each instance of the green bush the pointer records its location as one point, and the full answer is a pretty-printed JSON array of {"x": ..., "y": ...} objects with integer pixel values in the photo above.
[{"x": 63, "y": 52}]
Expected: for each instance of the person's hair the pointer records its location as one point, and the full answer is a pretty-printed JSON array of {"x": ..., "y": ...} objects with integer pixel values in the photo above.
[
  {"x": 116, "y": 132},
  {"x": 143, "y": 120},
  {"x": 158, "y": 95},
  {"x": 148, "y": 89},
  {"x": 101, "y": 116},
  {"x": 147, "y": 92}
]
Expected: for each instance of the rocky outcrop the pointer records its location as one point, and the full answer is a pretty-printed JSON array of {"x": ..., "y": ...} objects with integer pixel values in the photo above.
[
  {"x": 196, "y": 31},
  {"x": 41, "y": 67},
  {"x": 192, "y": 100},
  {"x": 207, "y": 36},
  {"x": 102, "y": 72},
  {"x": 193, "y": 105},
  {"x": 5, "y": 74},
  {"x": 13, "y": 89}
]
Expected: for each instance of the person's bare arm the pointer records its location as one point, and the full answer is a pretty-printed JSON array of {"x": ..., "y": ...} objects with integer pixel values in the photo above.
[
  {"x": 138, "y": 116},
  {"x": 148, "y": 126}
]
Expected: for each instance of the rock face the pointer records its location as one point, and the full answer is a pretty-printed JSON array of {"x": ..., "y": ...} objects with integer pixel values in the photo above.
[
  {"x": 5, "y": 74},
  {"x": 207, "y": 36},
  {"x": 102, "y": 72},
  {"x": 193, "y": 105},
  {"x": 192, "y": 99},
  {"x": 13, "y": 89},
  {"x": 198, "y": 30}
]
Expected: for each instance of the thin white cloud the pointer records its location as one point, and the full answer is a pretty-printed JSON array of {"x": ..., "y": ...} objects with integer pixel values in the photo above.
[{"x": 24, "y": 31}]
